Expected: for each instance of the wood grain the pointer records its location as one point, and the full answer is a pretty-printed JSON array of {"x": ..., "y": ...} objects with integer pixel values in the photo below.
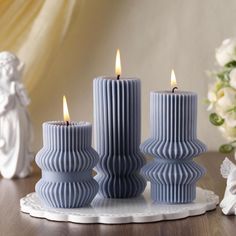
[{"x": 13, "y": 222}]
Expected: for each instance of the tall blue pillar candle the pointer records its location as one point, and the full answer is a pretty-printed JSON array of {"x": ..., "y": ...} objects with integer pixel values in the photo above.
[
  {"x": 117, "y": 120},
  {"x": 66, "y": 161},
  {"x": 173, "y": 144}
]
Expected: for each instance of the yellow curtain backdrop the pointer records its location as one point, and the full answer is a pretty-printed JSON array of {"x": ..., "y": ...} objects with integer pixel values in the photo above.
[{"x": 34, "y": 30}]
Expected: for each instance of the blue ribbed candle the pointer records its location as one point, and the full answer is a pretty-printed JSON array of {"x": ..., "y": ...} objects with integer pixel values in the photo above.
[
  {"x": 173, "y": 144},
  {"x": 66, "y": 160},
  {"x": 117, "y": 120}
]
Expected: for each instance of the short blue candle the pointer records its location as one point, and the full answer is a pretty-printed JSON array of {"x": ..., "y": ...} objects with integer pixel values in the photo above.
[
  {"x": 117, "y": 120},
  {"x": 66, "y": 160},
  {"x": 173, "y": 144}
]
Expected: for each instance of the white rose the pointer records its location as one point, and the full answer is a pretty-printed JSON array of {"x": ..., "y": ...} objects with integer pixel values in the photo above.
[
  {"x": 232, "y": 76},
  {"x": 226, "y": 52},
  {"x": 226, "y": 98},
  {"x": 225, "y": 106}
]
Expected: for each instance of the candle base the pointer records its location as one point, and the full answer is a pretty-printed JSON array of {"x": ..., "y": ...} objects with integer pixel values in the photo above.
[
  {"x": 67, "y": 194},
  {"x": 115, "y": 186},
  {"x": 173, "y": 181},
  {"x": 164, "y": 193},
  {"x": 122, "y": 211}
]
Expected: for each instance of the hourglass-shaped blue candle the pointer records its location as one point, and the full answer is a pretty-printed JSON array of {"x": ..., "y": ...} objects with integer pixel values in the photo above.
[
  {"x": 173, "y": 144},
  {"x": 66, "y": 161}
]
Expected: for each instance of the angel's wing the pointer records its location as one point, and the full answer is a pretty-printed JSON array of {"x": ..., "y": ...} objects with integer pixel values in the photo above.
[{"x": 226, "y": 167}]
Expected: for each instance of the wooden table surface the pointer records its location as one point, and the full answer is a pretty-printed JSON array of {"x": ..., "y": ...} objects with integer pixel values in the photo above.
[{"x": 13, "y": 222}]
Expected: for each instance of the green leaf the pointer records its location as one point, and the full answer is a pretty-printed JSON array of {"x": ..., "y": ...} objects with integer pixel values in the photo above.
[
  {"x": 226, "y": 148},
  {"x": 231, "y": 64},
  {"x": 232, "y": 109},
  {"x": 223, "y": 76},
  {"x": 216, "y": 119}
]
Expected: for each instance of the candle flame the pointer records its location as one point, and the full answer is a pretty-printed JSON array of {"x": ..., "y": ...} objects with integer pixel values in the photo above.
[
  {"x": 173, "y": 80},
  {"x": 65, "y": 110},
  {"x": 118, "y": 63}
]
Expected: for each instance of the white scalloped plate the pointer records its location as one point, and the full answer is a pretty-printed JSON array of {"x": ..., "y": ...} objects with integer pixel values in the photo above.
[{"x": 121, "y": 211}]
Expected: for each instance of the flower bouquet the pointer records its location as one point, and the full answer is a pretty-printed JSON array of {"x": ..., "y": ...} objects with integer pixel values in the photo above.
[{"x": 222, "y": 94}]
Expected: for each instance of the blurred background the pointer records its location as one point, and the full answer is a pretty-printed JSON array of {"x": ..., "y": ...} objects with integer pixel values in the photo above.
[{"x": 67, "y": 43}]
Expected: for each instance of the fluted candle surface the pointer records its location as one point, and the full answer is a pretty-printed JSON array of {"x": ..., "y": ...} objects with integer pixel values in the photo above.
[
  {"x": 173, "y": 144},
  {"x": 117, "y": 120},
  {"x": 67, "y": 160}
]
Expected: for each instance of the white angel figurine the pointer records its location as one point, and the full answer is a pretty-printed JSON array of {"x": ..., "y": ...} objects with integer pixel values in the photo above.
[
  {"x": 15, "y": 125},
  {"x": 228, "y": 204}
]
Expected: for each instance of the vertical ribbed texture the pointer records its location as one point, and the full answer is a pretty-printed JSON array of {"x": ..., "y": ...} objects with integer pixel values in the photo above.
[
  {"x": 67, "y": 160},
  {"x": 173, "y": 173},
  {"x": 117, "y": 120}
]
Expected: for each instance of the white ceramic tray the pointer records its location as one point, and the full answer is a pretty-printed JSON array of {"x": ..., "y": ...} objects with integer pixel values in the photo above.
[{"x": 121, "y": 211}]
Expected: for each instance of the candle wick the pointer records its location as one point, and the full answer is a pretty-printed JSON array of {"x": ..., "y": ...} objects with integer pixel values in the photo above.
[
  {"x": 173, "y": 89},
  {"x": 118, "y": 77},
  {"x": 67, "y": 123}
]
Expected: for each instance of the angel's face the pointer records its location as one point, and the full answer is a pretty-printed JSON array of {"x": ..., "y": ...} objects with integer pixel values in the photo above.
[{"x": 7, "y": 72}]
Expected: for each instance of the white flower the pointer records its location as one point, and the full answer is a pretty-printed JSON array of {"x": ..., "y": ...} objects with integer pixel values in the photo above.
[
  {"x": 232, "y": 76},
  {"x": 226, "y": 52},
  {"x": 230, "y": 119},
  {"x": 225, "y": 106},
  {"x": 212, "y": 98},
  {"x": 228, "y": 132},
  {"x": 226, "y": 100}
]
